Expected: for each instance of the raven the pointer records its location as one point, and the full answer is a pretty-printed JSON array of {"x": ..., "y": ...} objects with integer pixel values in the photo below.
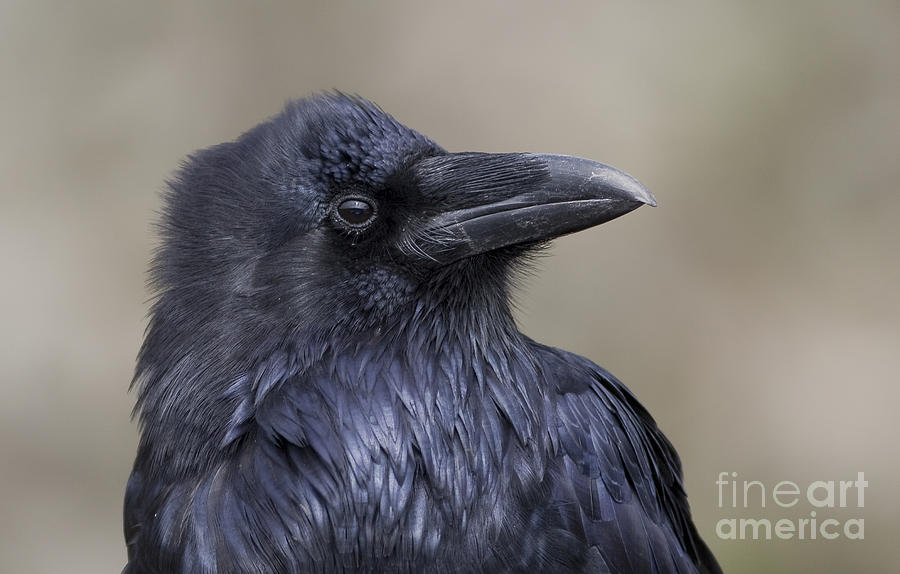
[{"x": 332, "y": 379}]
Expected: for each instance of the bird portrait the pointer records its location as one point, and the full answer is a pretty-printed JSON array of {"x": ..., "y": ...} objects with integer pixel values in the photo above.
[{"x": 332, "y": 379}]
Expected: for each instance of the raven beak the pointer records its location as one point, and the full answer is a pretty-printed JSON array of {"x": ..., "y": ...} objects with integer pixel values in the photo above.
[{"x": 513, "y": 199}]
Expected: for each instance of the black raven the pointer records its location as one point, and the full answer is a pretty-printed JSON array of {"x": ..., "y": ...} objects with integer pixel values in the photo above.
[{"x": 332, "y": 379}]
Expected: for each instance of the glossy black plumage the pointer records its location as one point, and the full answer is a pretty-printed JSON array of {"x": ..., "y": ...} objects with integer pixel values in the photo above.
[{"x": 324, "y": 395}]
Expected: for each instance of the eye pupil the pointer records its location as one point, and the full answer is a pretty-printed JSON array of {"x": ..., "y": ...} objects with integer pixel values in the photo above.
[{"x": 355, "y": 211}]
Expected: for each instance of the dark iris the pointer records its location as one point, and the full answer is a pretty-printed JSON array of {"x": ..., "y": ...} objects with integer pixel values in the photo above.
[{"x": 355, "y": 211}]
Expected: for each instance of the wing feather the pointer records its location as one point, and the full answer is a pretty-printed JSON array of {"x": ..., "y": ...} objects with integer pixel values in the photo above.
[{"x": 619, "y": 482}]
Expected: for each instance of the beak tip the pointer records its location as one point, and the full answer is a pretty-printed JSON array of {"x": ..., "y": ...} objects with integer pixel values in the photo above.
[
  {"x": 617, "y": 183},
  {"x": 636, "y": 191}
]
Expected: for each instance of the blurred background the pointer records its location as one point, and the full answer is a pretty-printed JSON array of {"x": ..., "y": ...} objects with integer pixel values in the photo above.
[{"x": 756, "y": 312}]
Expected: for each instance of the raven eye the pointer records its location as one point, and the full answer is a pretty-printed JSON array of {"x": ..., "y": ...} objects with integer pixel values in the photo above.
[{"x": 355, "y": 212}]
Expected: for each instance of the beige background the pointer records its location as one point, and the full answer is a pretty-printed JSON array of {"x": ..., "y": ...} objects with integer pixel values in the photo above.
[{"x": 755, "y": 312}]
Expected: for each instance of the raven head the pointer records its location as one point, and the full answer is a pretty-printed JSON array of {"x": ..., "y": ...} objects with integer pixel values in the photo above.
[{"x": 333, "y": 215}]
